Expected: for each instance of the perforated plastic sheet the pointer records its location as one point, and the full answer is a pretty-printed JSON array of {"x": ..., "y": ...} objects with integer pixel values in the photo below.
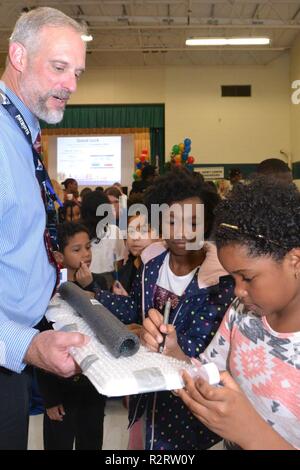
[{"x": 144, "y": 372}]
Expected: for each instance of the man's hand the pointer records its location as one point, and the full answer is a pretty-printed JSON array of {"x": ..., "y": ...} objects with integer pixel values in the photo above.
[{"x": 49, "y": 350}]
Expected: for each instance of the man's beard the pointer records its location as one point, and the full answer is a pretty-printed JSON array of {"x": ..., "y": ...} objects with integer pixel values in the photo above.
[
  {"x": 38, "y": 104},
  {"x": 51, "y": 116}
]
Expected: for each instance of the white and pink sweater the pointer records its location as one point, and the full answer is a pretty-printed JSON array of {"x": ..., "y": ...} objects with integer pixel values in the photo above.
[{"x": 265, "y": 364}]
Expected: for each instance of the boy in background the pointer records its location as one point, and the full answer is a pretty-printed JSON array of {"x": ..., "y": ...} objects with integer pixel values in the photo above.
[{"x": 74, "y": 410}]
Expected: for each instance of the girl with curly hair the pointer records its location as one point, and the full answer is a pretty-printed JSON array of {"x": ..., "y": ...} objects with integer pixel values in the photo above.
[{"x": 258, "y": 343}]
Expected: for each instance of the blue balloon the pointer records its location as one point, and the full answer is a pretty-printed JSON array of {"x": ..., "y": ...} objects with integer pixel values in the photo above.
[
  {"x": 139, "y": 165},
  {"x": 184, "y": 157},
  {"x": 187, "y": 149},
  {"x": 187, "y": 142}
]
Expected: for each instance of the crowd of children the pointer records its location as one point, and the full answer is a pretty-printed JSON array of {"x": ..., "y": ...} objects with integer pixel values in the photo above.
[
  {"x": 251, "y": 251},
  {"x": 258, "y": 242},
  {"x": 199, "y": 291}
]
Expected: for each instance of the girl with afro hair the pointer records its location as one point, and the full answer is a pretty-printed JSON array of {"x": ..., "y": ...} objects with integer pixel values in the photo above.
[{"x": 199, "y": 290}]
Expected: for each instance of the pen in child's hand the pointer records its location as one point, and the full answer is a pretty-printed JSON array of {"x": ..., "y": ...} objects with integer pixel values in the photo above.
[{"x": 166, "y": 321}]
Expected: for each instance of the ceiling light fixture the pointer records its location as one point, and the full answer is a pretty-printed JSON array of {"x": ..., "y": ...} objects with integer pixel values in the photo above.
[
  {"x": 87, "y": 38},
  {"x": 227, "y": 41}
]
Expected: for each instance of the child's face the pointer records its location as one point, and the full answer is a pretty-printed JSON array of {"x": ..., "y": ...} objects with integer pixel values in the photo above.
[
  {"x": 116, "y": 205},
  {"x": 139, "y": 235},
  {"x": 180, "y": 228},
  {"x": 77, "y": 250},
  {"x": 73, "y": 214},
  {"x": 73, "y": 187},
  {"x": 263, "y": 284}
]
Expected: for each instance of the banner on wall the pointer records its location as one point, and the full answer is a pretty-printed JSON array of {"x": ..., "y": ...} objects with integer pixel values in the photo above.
[{"x": 211, "y": 172}]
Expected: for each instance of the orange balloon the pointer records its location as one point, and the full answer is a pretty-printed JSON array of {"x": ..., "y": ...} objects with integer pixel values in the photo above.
[
  {"x": 138, "y": 173},
  {"x": 177, "y": 158}
]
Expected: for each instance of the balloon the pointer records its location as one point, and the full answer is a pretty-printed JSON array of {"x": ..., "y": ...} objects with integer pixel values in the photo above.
[
  {"x": 137, "y": 160},
  {"x": 134, "y": 176},
  {"x": 138, "y": 173},
  {"x": 144, "y": 152},
  {"x": 139, "y": 165},
  {"x": 142, "y": 158},
  {"x": 184, "y": 156},
  {"x": 179, "y": 155}
]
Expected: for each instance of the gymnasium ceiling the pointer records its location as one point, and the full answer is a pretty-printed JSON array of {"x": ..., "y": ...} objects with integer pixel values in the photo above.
[{"x": 153, "y": 32}]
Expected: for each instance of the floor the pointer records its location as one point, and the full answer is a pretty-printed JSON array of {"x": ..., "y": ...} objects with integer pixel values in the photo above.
[{"x": 115, "y": 428}]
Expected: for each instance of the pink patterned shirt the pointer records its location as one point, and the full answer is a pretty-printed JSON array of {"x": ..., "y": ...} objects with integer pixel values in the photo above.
[{"x": 265, "y": 364}]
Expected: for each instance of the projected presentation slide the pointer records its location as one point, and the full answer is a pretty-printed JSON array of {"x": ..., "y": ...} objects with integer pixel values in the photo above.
[{"x": 91, "y": 160}]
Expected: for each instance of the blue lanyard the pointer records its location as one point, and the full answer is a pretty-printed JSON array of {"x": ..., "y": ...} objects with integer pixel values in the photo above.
[{"x": 40, "y": 170}]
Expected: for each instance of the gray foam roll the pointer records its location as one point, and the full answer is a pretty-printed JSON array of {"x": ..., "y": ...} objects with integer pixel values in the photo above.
[{"x": 107, "y": 328}]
